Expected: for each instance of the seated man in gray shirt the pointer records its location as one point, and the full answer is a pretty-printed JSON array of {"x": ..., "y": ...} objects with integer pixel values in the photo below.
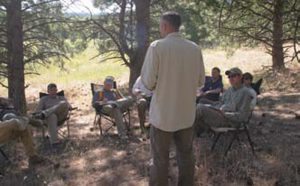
[
  {"x": 233, "y": 108},
  {"x": 54, "y": 110}
]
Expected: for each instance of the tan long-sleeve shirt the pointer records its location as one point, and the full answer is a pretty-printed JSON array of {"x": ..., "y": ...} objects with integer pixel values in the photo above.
[{"x": 173, "y": 69}]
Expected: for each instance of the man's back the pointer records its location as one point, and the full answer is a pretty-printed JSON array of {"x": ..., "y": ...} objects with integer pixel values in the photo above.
[{"x": 174, "y": 74}]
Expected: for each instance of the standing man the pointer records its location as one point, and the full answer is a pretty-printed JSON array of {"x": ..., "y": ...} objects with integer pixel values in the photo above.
[{"x": 173, "y": 69}]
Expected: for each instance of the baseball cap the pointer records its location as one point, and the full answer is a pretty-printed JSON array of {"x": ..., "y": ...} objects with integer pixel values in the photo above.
[
  {"x": 234, "y": 70},
  {"x": 109, "y": 79}
]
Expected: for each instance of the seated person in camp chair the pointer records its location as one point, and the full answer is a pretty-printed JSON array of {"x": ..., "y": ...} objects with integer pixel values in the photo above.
[
  {"x": 13, "y": 126},
  {"x": 53, "y": 109},
  {"x": 233, "y": 108},
  {"x": 143, "y": 100},
  {"x": 213, "y": 86},
  {"x": 112, "y": 103}
]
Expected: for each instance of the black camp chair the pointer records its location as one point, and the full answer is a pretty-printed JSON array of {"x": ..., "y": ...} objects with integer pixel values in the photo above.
[
  {"x": 236, "y": 132},
  {"x": 256, "y": 86},
  {"x": 61, "y": 132},
  {"x": 99, "y": 115}
]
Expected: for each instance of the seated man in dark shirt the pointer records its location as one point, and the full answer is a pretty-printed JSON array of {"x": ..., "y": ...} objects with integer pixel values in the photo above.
[
  {"x": 212, "y": 88},
  {"x": 111, "y": 102}
]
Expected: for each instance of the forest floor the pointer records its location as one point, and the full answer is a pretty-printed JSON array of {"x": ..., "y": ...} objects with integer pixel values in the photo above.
[{"x": 86, "y": 158}]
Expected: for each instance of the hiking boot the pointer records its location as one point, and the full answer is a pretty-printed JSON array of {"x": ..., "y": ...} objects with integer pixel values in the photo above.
[{"x": 36, "y": 122}]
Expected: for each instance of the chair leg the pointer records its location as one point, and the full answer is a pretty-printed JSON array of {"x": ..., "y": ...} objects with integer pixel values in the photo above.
[
  {"x": 250, "y": 141},
  {"x": 3, "y": 154},
  {"x": 68, "y": 128},
  {"x": 238, "y": 140},
  {"x": 95, "y": 121},
  {"x": 215, "y": 141},
  {"x": 43, "y": 134},
  {"x": 231, "y": 142},
  {"x": 129, "y": 120},
  {"x": 100, "y": 124}
]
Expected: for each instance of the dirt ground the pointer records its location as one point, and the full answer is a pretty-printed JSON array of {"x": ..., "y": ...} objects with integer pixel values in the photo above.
[{"x": 87, "y": 158}]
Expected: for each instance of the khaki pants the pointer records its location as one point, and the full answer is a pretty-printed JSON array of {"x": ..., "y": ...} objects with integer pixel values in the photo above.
[
  {"x": 160, "y": 144},
  {"x": 116, "y": 112},
  {"x": 54, "y": 116},
  {"x": 14, "y": 129},
  {"x": 207, "y": 117}
]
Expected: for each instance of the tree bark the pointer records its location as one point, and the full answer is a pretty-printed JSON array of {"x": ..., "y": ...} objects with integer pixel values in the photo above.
[
  {"x": 277, "y": 48},
  {"x": 142, "y": 37},
  {"x": 15, "y": 55}
]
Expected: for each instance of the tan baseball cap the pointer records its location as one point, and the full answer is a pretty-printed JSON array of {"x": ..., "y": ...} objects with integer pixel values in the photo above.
[{"x": 234, "y": 70}]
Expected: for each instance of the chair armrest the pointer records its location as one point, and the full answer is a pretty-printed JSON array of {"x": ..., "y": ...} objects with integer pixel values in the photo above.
[{"x": 73, "y": 108}]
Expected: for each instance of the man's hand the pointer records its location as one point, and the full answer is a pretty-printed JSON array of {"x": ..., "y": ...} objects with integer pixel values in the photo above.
[
  {"x": 222, "y": 110},
  {"x": 105, "y": 100},
  {"x": 199, "y": 93},
  {"x": 137, "y": 91}
]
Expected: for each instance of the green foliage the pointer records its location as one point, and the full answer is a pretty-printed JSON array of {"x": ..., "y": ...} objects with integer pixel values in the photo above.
[
  {"x": 251, "y": 22},
  {"x": 49, "y": 35},
  {"x": 200, "y": 20}
]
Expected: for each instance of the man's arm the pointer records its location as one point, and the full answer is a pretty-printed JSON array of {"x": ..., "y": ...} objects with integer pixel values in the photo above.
[
  {"x": 40, "y": 106},
  {"x": 119, "y": 95},
  {"x": 136, "y": 89},
  {"x": 150, "y": 68},
  {"x": 96, "y": 98},
  {"x": 65, "y": 99},
  {"x": 214, "y": 91}
]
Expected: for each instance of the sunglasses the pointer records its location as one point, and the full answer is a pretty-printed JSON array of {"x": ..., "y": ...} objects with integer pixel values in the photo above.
[{"x": 233, "y": 76}]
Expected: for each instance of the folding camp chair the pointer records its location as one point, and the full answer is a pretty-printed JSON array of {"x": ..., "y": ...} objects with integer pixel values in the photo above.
[
  {"x": 61, "y": 132},
  {"x": 256, "y": 86},
  {"x": 100, "y": 115},
  {"x": 236, "y": 132}
]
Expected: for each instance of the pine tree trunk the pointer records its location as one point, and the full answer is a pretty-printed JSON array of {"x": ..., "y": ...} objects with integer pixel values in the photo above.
[
  {"x": 277, "y": 48},
  {"x": 16, "y": 80},
  {"x": 142, "y": 34}
]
